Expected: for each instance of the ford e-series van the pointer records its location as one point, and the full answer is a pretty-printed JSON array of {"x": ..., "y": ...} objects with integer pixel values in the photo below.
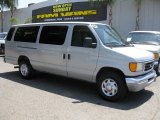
[{"x": 86, "y": 51}]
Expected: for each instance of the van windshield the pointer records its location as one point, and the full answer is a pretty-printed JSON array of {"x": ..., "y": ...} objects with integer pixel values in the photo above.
[
  {"x": 109, "y": 36},
  {"x": 142, "y": 37},
  {"x": 158, "y": 38}
]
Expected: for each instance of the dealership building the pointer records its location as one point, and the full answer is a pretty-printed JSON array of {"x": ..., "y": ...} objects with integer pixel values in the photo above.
[{"x": 124, "y": 13}]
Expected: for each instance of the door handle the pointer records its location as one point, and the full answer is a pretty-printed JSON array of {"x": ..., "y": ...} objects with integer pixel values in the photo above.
[
  {"x": 69, "y": 56},
  {"x": 64, "y": 56}
]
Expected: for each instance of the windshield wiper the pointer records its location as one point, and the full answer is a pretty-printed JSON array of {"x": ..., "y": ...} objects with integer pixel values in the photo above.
[
  {"x": 116, "y": 45},
  {"x": 150, "y": 43},
  {"x": 145, "y": 42}
]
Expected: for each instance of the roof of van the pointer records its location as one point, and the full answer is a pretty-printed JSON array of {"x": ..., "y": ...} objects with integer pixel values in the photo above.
[
  {"x": 44, "y": 23},
  {"x": 152, "y": 32}
]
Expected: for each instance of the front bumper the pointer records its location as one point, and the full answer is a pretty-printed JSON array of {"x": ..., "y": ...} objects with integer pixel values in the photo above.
[{"x": 138, "y": 83}]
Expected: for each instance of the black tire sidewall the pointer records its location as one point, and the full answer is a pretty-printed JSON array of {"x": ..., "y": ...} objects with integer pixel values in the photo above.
[
  {"x": 122, "y": 89},
  {"x": 1, "y": 51},
  {"x": 157, "y": 71},
  {"x": 30, "y": 70}
]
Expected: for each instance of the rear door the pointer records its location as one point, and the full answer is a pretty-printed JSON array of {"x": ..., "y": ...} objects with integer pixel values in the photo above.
[
  {"x": 25, "y": 40},
  {"x": 9, "y": 47},
  {"x": 81, "y": 60}
]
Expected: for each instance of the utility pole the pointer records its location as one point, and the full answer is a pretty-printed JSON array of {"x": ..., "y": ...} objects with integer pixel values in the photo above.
[{"x": 1, "y": 10}]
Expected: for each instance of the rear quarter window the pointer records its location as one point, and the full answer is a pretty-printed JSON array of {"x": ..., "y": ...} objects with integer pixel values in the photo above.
[{"x": 26, "y": 34}]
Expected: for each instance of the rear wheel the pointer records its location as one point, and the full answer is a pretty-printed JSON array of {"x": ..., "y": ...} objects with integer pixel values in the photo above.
[
  {"x": 111, "y": 86},
  {"x": 25, "y": 70}
]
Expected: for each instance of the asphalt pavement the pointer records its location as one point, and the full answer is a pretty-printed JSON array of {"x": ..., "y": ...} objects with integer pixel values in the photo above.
[{"x": 50, "y": 97}]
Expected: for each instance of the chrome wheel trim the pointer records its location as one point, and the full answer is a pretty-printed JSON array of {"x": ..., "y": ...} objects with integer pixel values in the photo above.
[
  {"x": 109, "y": 87},
  {"x": 24, "y": 69}
]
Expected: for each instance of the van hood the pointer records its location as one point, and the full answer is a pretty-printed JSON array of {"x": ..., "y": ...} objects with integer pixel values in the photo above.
[
  {"x": 137, "y": 54},
  {"x": 151, "y": 48}
]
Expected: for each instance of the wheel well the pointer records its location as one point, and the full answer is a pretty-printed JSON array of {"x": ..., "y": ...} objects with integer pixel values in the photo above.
[
  {"x": 22, "y": 58},
  {"x": 109, "y": 69}
]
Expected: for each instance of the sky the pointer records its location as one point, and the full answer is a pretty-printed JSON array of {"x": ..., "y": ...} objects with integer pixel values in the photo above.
[{"x": 24, "y": 3}]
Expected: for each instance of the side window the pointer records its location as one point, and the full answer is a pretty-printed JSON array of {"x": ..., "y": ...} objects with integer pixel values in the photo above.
[
  {"x": 26, "y": 34},
  {"x": 79, "y": 33},
  {"x": 53, "y": 35},
  {"x": 10, "y": 34}
]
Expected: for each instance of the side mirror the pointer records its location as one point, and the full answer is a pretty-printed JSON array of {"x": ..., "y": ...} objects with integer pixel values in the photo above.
[{"x": 88, "y": 42}]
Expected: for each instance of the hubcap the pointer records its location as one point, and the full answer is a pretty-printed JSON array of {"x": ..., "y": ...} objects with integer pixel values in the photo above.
[
  {"x": 24, "y": 69},
  {"x": 109, "y": 87}
]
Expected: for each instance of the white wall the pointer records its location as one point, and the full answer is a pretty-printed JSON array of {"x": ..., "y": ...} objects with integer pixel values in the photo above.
[{"x": 124, "y": 14}]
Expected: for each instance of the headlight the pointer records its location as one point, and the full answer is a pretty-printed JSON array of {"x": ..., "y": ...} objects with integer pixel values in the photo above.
[
  {"x": 134, "y": 67},
  {"x": 156, "y": 56}
]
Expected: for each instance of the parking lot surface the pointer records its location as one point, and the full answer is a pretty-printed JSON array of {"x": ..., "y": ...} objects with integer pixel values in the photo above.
[{"x": 50, "y": 97}]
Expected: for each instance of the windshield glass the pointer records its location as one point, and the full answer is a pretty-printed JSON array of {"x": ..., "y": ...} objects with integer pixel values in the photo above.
[
  {"x": 2, "y": 36},
  {"x": 142, "y": 37},
  {"x": 158, "y": 38},
  {"x": 108, "y": 36}
]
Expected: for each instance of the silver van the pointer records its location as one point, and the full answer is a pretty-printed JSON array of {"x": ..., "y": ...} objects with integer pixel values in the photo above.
[
  {"x": 86, "y": 51},
  {"x": 147, "y": 40},
  {"x": 2, "y": 41}
]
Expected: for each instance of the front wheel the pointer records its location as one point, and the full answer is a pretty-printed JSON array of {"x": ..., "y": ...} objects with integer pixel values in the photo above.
[
  {"x": 111, "y": 86},
  {"x": 2, "y": 51},
  {"x": 158, "y": 69}
]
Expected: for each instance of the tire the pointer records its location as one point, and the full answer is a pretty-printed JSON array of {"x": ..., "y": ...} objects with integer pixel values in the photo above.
[
  {"x": 158, "y": 69},
  {"x": 25, "y": 70},
  {"x": 3, "y": 51},
  {"x": 117, "y": 88}
]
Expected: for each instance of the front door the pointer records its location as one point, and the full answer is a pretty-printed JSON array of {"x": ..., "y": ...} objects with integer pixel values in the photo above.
[{"x": 81, "y": 59}]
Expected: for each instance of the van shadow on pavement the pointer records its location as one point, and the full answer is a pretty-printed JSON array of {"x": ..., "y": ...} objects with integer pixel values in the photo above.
[{"x": 81, "y": 91}]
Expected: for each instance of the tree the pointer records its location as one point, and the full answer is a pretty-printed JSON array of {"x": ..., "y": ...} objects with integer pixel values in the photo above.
[
  {"x": 11, "y": 4},
  {"x": 13, "y": 21},
  {"x": 110, "y": 4},
  {"x": 27, "y": 20},
  {"x": 138, "y": 4}
]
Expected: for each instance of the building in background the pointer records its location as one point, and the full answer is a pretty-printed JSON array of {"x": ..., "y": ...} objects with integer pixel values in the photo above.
[{"x": 124, "y": 14}]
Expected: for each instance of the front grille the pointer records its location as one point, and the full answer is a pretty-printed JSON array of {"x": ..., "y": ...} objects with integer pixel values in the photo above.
[{"x": 148, "y": 66}]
